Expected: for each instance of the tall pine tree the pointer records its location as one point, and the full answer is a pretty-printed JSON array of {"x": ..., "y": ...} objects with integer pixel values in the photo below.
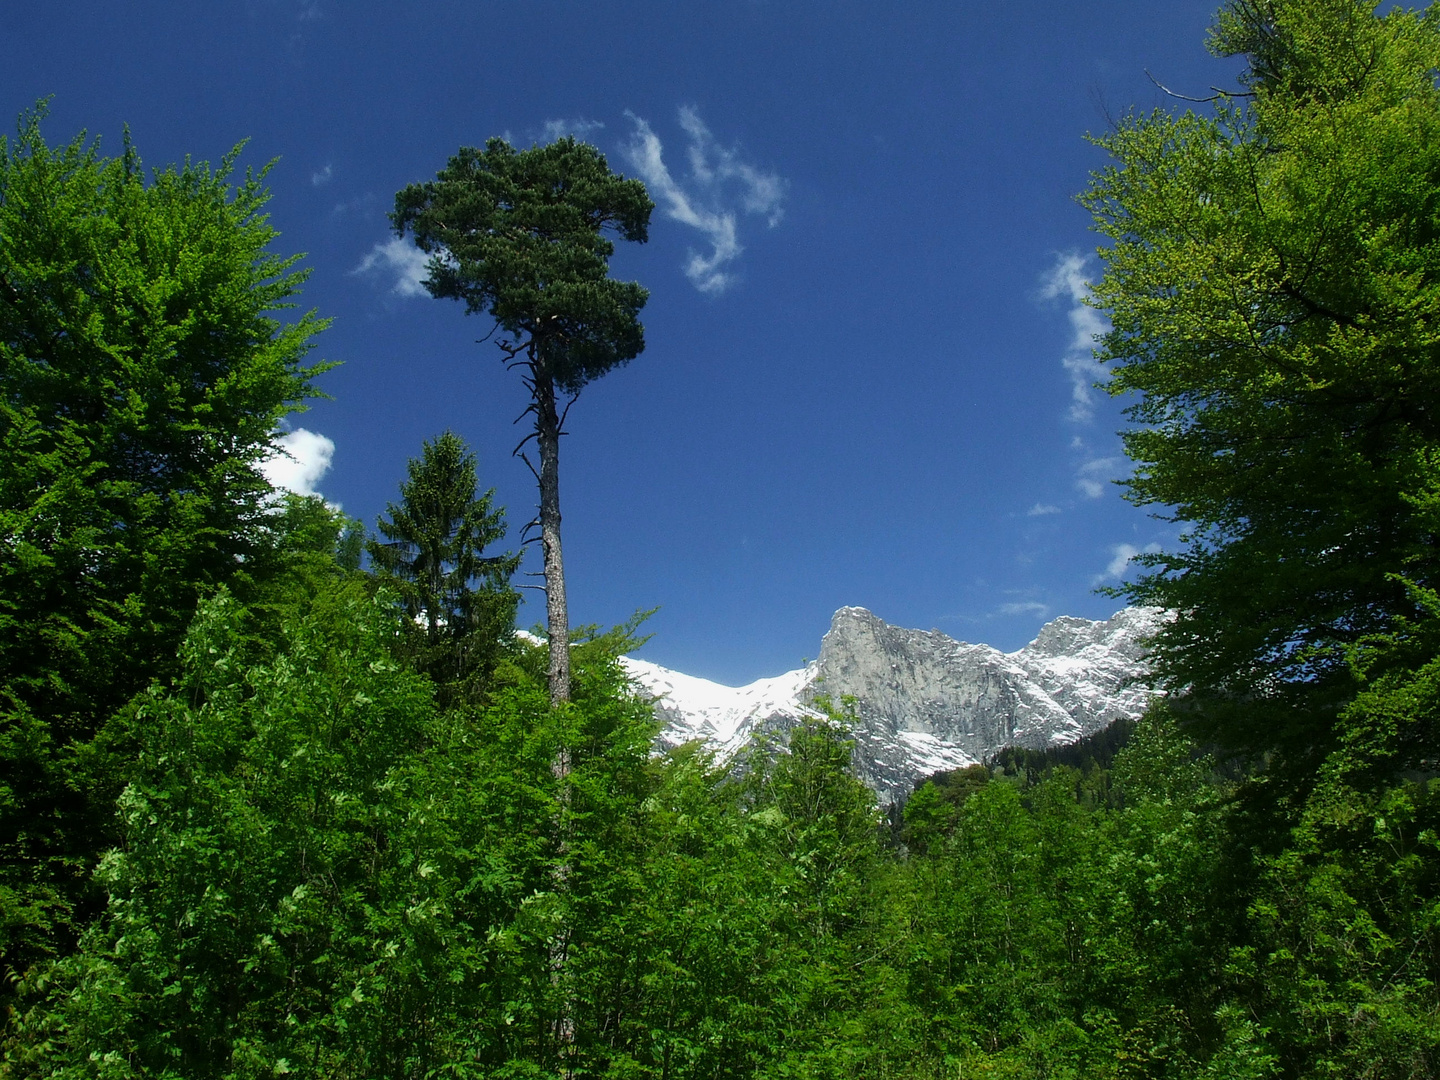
[{"x": 521, "y": 235}]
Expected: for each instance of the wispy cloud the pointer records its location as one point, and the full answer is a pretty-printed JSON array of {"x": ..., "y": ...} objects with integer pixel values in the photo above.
[
  {"x": 718, "y": 188},
  {"x": 1066, "y": 281},
  {"x": 1121, "y": 555},
  {"x": 400, "y": 260},
  {"x": 303, "y": 458},
  {"x": 1042, "y": 510},
  {"x": 578, "y": 127},
  {"x": 366, "y": 206},
  {"x": 1095, "y": 476},
  {"x": 1025, "y": 607},
  {"x": 322, "y": 176}
]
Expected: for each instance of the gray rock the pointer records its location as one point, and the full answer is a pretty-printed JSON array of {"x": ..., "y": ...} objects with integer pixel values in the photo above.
[{"x": 923, "y": 702}]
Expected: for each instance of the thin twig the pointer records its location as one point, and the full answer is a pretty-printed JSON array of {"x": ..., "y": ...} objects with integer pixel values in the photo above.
[
  {"x": 487, "y": 337},
  {"x": 573, "y": 398},
  {"x": 1219, "y": 94}
]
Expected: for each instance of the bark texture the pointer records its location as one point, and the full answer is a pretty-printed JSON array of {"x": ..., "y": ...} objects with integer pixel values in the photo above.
[{"x": 547, "y": 433}]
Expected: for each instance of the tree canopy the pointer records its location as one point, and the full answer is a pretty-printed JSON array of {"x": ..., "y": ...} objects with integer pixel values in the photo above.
[
  {"x": 520, "y": 235},
  {"x": 144, "y": 368},
  {"x": 1273, "y": 280}
]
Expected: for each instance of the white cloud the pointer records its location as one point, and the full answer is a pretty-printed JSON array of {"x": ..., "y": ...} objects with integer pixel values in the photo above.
[
  {"x": 581, "y": 129},
  {"x": 1026, "y": 607},
  {"x": 1121, "y": 557},
  {"x": 1066, "y": 280},
  {"x": 1042, "y": 509},
  {"x": 718, "y": 188},
  {"x": 402, "y": 259},
  {"x": 761, "y": 193},
  {"x": 322, "y": 176},
  {"x": 1095, "y": 476},
  {"x": 303, "y": 458},
  {"x": 1122, "y": 554}
]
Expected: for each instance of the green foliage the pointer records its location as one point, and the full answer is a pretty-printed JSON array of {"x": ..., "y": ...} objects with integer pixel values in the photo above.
[
  {"x": 324, "y": 873},
  {"x": 932, "y": 813},
  {"x": 329, "y": 861},
  {"x": 520, "y": 234},
  {"x": 143, "y": 372},
  {"x": 433, "y": 557},
  {"x": 1350, "y": 918},
  {"x": 1272, "y": 283},
  {"x": 1271, "y": 280},
  {"x": 305, "y": 547},
  {"x": 1090, "y": 753}
]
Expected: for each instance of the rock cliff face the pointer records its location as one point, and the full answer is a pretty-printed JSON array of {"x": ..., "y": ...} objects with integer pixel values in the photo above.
[{"x": 924, "y": 701}]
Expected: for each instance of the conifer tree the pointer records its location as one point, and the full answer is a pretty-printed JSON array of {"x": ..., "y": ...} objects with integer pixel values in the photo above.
[{"x": 433, "y": 556}]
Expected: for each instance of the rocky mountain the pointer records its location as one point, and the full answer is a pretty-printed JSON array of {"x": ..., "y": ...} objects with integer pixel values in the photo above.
[{"x": 923, "y": 701}]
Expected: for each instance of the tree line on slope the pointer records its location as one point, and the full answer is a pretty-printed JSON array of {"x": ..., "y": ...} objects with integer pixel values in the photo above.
[{"x": 267, "y": 813}]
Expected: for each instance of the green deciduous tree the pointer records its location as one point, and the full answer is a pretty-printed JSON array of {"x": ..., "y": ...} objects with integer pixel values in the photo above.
[
  {"x": 1273, "y": 279},
  {"x": 142, "y": 372},
  {"x": 1274, "y": 283},
  {"x": 521, "y": 235},
  {"x": 312, "y": 857},
  {"x": 459, "y": 601}
]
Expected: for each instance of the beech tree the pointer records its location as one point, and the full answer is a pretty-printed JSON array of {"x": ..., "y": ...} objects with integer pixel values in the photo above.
[
  {"x": 143, "y": 370},
  {"x": 521, "y": 235},
  {"x": 1273, "y": 280}
]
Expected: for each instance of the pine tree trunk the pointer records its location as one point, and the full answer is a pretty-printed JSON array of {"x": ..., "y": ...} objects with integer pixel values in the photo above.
[{"x": 547, "y": 430}]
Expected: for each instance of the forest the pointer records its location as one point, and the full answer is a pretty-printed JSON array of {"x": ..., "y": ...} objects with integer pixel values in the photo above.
[{"x": 284, "y": 794}]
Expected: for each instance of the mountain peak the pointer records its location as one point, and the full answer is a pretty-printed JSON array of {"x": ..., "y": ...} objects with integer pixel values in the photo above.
[{"x": 924, "y": 702}]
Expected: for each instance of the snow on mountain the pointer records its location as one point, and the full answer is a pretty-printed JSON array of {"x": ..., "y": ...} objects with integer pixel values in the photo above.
[
  {"x": 924, "y": 702},
  {"x": 725, "y": 717}
]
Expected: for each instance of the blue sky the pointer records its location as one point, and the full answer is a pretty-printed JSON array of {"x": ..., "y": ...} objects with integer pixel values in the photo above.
[{"x": 866, "y": 377}]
